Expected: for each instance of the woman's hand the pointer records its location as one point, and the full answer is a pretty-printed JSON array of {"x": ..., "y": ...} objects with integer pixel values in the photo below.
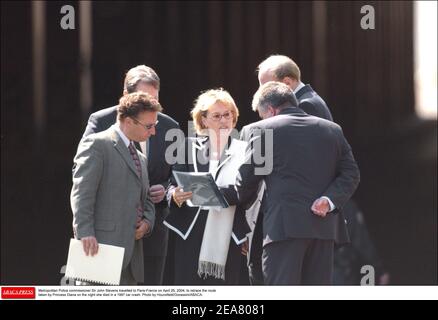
[
  {"x": 179, "y": 196},
  {"x": 244, "y": 248}
]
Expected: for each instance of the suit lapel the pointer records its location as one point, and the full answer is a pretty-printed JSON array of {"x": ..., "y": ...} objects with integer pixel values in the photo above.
[
  {"x": 202, "y": 154},
  {"x": 225, "y": 157},
  {"x": 137, "y": 146},
  {"x": 144, "y": 164},
  {"x": 157, "y": 144},
  {"x": 124, "y": 152},
  {"x": 154, "y": 142}
]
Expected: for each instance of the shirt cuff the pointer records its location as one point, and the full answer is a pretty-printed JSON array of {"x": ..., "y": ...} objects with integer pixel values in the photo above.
[
  {"x": 169, "y": 194},
  {"x": 332, "y": 206}
]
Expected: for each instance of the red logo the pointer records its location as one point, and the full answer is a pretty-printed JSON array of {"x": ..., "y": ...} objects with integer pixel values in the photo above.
[{"x": 18, "y": 292}]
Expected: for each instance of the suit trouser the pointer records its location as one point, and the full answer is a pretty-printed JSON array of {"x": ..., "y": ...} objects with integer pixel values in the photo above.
[
  {"x": 255, "y": 274},
  {"x": 154, "y": 270},
  {"x": 255, "y": 271},
  {"x": 127, "y": 278},
  {"x": 298, "y": 262},
  {"x": 155, "y": 250}
]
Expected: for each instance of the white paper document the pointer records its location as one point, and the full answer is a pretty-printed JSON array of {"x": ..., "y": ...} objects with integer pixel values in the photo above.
[{"x": 103, "y": 268}]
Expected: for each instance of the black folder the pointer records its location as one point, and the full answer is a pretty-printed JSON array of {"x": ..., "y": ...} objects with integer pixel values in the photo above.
[{"x": 206, "y": 193}]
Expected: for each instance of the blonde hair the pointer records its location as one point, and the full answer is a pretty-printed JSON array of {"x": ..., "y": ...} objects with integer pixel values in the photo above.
[{"x": 207, "y": 99}]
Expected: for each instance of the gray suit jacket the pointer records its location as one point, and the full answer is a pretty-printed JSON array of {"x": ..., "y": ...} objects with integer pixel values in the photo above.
[
  {"x": 158, "y": 169},
  {"x": 106, "y": 191}
]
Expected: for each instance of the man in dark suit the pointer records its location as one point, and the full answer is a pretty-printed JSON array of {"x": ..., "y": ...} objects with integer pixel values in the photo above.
[
  {"x": 310, "y": 173},
  {"x": 145, "y": 79},
  {"x": 284, "y": 69}
]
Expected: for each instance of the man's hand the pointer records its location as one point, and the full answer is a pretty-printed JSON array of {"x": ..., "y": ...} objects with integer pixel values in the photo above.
[
  {"x": 321, "y": 207},
  {"x": 156, "y": 193},
  {"x": 143, "y": 227},
  {"x": 90, "y": 245}
]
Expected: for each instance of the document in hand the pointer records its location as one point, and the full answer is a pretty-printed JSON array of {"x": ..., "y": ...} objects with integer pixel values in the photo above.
[
  {"x": 205, "y": 190},
  {"x": 103, "y": 268}
]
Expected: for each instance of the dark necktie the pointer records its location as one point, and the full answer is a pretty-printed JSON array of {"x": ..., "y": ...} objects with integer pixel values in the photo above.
[
  {"x": 137, "y": 163},
  {"x": 135, "y": 158}
]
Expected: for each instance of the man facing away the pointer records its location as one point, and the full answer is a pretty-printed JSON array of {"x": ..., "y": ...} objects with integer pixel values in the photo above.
[
  {"x": 110, "y": 185},
  {"x": 282, "y": 69},
  {"x": 144, "y": 79},
  {"x": 313, "y": 175}
]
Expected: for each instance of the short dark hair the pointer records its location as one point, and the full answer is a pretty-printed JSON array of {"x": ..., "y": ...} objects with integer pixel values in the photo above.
[
  {"x": 143, "y": 74},
  {"x": 275, "y": 94},
  {"x": 130, "y": 105}
]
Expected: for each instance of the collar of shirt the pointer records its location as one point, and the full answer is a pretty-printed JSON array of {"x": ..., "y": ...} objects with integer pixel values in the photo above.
[
  {"x": 300, "y": 86},
  {"x": 121, "y": 134}
]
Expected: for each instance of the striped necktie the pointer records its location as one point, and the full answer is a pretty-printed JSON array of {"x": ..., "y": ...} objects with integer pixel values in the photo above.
[
  {"x": 135, "y": 158},
  {"x": 137, "y": 163}
]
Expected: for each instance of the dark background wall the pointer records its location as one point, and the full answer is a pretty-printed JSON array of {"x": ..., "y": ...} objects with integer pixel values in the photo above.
[{"x": 366, "y": 77}]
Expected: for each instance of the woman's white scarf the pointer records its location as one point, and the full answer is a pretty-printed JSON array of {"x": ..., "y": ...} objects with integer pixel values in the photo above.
[{"x": 219, "y": 225}]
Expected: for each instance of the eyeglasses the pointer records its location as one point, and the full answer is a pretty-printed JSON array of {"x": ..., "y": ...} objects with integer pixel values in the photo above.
[
  {"x": 146, "y": 126},
  {"x": 217, "y": 116}
]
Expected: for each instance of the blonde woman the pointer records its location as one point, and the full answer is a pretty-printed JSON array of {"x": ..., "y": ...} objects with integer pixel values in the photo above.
[{"x": 208, "y": 242}]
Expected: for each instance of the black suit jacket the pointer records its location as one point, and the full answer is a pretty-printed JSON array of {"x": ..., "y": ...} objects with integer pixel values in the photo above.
[
  {"x": 158, "y": 169},
  {"x": 312, "y": 103},
  {"x": 311, "y": 158}
]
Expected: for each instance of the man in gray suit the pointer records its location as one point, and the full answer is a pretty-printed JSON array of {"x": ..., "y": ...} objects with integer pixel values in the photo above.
[
  {"x": 110, "y": 185},
  {"x": 313, "y": 175},
  {"x": 144, "y": 79},
  {"x": 284, "y": 69}
]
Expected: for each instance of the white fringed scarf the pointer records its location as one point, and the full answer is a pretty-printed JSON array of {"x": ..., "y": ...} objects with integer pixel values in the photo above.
[{"x": 219, "y": 225}]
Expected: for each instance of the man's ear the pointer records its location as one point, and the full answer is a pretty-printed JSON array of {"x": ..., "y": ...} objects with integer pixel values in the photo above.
[
  {"x": 290, "y": 82},
  {"x": 271, "y": 109},
  {"x": 128, "y": 120}
]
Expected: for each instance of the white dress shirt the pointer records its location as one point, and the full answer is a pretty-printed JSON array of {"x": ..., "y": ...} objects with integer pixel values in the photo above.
[{"x": 121, "y": 134}]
